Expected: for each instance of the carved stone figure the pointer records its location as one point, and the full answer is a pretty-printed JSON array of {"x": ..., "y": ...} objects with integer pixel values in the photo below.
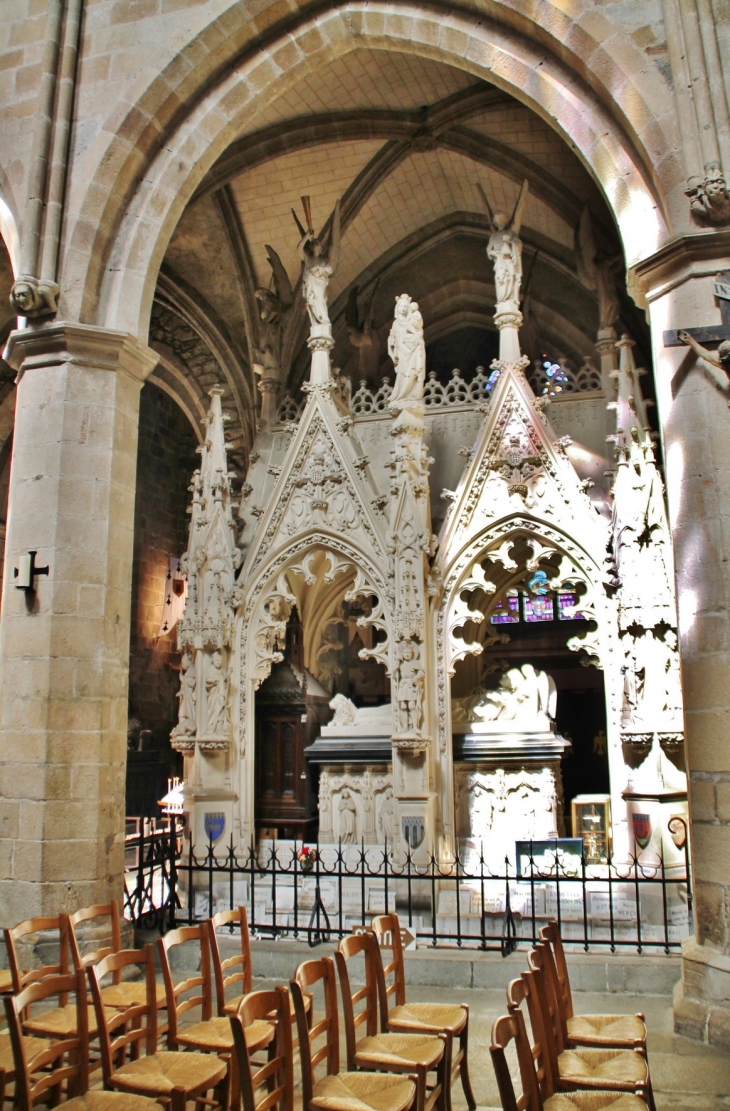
[
  {"x": 505, "y": 249},
  {"x": 187, "y": 696},
  {"x": 347, "y": 714},
  {"x": 319, "y": 266},
  {"x": 633, "y": 690},
  {"x": 386, "y": 819},
  {"x": 407, "y": 349},
  {"x": 410, "y": 683},
  {"x": 348, "y": 818},
  {"x": 709, "y": 197},
  {"x": 598, "y": 271},
  {"x": 216, "y": 689},
  {"x": 32, "y": 297},
  {"x": 525, "y": 698}
]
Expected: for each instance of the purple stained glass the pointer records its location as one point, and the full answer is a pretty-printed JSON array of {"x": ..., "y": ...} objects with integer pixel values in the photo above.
[
  {"x": 537, "y": 608},
  {"x": 507, "y": 611},
  {"x": 567, "y": 599}
]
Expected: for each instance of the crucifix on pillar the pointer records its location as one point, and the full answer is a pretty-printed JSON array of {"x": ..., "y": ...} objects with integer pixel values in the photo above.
[{"x": 715, "y": 334}]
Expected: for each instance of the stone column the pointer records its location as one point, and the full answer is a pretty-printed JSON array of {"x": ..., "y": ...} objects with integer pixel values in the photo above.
[
  {"x": 695, "y": 422},
  {"x": 64, "y": 646}
]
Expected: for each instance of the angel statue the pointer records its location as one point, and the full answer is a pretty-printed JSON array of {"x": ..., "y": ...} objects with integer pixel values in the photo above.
[
  {"x": 319, "y": 260},
  {"x": 362, "y": 334},
  {"x": 505, "y": 248},
  {"x": 598, "y": 271},
  {"x": 273, "y": 307},
  {"x": 407, "y": 349}
]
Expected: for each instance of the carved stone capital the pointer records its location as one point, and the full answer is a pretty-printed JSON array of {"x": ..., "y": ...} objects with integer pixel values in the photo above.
[
  {"x": 79, "y": 345},
  {"x": 508, "y": 315},
  {"x": 320, "y": 343}
]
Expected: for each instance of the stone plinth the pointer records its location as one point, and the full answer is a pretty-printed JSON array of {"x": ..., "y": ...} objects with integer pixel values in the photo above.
[
  {"x": 702, "y": 997},
  {"x": 64, "y": 646}
]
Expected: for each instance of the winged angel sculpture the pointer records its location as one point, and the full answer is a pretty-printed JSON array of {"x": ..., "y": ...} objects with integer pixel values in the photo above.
[
  {"x": 273, "y": 308},
  {"x": 505, "y": 249},
  {"x": 319, "y": 258}
]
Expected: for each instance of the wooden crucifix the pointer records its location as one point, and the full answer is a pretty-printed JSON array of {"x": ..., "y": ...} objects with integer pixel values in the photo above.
[{"x": 714, "y": 334}]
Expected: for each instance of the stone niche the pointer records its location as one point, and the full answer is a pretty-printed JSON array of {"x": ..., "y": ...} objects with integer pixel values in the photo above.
[{"x": 356, "y": 805}]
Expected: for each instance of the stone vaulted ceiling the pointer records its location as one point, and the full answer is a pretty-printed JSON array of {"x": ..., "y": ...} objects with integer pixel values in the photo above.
[{"x": 403, "y": 141}]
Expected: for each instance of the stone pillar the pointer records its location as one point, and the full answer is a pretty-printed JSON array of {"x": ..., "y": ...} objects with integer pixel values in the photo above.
[
  {"x": 64, "y": 646},
  {"x": 320, "y": 343},
  {"x": 508, "y": 319},
  {"x": 695, "y": 422}
]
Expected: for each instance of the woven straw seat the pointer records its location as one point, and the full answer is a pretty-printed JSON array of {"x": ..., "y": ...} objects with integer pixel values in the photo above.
[
  {"x": 594, "y": 1101},
  {"x": 432, "y": 1017},
  {"x": 601, "y": 1029},
  {"x": 386, "y": 1050},
  {"x": 111, "y": 1101},
  {"x": 595, "y": 1067},
  {"x": 217, "y": 1037},
  {"x": 31, "y": 1047},
  {"x": 161, "y": 1072},
  {"x": 362, "y": 1091},
  {"x": 131, "y": 994},
  {"x": 61, "y": 1021}
]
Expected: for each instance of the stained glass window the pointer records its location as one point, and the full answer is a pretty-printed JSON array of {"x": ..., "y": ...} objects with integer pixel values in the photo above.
[
  {"x": 567, "y": 600},
  {"x": 507, "y": 610},
  {"x": 537, "y": 607}
]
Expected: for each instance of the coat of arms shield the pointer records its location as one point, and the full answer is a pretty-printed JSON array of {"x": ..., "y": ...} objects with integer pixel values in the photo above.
[
  {"x": 413, "y": 831},
  {"x": 214, "y": 824},
  {"x": 642, "y": 829}
]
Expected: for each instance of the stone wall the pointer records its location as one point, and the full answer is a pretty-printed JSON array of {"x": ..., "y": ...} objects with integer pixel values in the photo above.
[{"x": 166, "y": 459}]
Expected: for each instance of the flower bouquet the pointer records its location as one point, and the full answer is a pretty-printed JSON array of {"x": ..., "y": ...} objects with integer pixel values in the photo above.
[{"x": 306, "y": 858}]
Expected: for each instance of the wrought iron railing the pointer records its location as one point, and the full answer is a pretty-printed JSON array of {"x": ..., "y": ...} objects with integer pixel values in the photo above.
[{"x": 639, "y": 903}]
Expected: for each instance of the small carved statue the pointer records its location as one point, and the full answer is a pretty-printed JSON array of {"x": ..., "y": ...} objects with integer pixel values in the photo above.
[
  {"x": 634, "y": 675},
  {"x": 407, "y": 349},
  {"x": 216, "y": 688},
  {"x": 598, "y": 271},
  {"x": 187, "y": 696},
  {"x": 709, "y": 198},
  {"x": 505, "y": 249},
  {"x": 362, "y": 334},
  {"x": 273, "y": 308},
  {"x": 32, "y": 297},
  {"x": 411, "y": 677},
  {"x": 719, "y": 358},
  {"x": 319, "y": 265},
  {"x": 386, "y": 819},
  {"x": 348, "y": 818}
]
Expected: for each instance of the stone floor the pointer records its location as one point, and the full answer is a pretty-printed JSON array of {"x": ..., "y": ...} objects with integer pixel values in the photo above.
[{"x": 685, "y": 1075}]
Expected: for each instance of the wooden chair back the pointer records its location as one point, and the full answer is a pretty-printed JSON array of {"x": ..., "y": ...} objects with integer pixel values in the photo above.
[
  {"x": 179, "y": 997},
  {"x": 60, "y": 1063},
  {"x": 550, "y": 934},
  {"x": 540, "y": 959},
  {"x": 135, "y": 1028},
  {"x": 306, "y": 976},
  {"x": 25, "y": 929},
  {"x": 276, "y": 1077},
  {"x": 242, "y": 961},
  {"x": 511, "y": 1028},
  {"x": 387, "y": 927},
  {"x": 366, "y": 945},
  {"x": 543, "y": 1048},
  {"x": 89, "y": 914}
]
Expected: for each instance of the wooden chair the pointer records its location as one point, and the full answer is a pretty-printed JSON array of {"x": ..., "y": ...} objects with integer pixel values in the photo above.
[
  {"x": 615, "y": 1031},
  {"x": 412, "y": 1054},
  {"x": 224, "y": 978},
  {"x": 276, "y": 1076},
  {"x": 118, "y": 994},
  {"x": 422, "y": 1018},
  {"x": 19, "y": 978},
  {"x": 43, "y": 1069},
  {"x": 511, "y": 1028},
  {"x": 240, "y": 961},
  {"x": 337, "y": 1091},
  {"x": 608, "y": 1070},
  {"x": 166, "y": 1075},
  {"x": 59, "y": 1022}
]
